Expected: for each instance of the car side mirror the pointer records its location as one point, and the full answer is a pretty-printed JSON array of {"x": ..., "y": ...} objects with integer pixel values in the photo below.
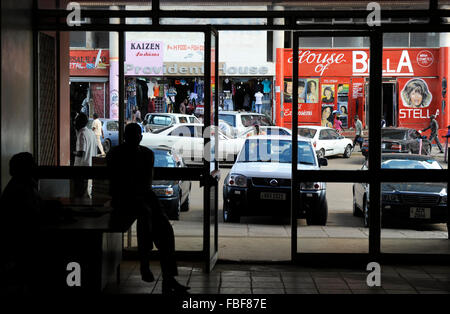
[{"x": 323, "y": 162}]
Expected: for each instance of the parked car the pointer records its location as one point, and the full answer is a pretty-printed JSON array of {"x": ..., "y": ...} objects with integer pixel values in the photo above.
[
  {"x": 327, "y": 141},
  {"x": 187, "y": 140},
  {"x": 259, "y": 183},
  {"x": 265, "y": 130},
  {"x": 172, "y": 194},
  {"x": 400, "y": 140},
  {"x": 154, "y": 121},
  {"x": 423, "y": 201},
  {"x": 110, "y": 132},
  {"x": 241, "y": 120}
]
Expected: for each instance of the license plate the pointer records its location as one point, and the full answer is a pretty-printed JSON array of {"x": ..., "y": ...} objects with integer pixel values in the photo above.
[
  {"x": 273, "y": 196},
  {"x": 420, "y": 213}
]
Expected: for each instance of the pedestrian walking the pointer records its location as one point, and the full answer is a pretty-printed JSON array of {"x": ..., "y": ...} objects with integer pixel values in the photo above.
[
  {"x": 98, "y": 131},
  {"x": 434, "y": 126}
]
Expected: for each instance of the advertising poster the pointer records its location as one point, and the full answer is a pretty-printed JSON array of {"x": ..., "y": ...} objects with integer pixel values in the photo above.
[
  {"x": 312, "y": 89},
  {"x": 327, "y": 117},
  {"x": 416, "y": 101},
  {"x": 328, "y": 93}
]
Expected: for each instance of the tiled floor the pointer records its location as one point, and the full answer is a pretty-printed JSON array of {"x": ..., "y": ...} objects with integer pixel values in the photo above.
[{"x": 288, "y": 279}]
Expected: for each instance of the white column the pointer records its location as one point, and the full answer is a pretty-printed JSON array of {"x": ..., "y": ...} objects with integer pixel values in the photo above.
[
  {"x": 278, "y": 36},
  {"x": 114, "y": 70}
]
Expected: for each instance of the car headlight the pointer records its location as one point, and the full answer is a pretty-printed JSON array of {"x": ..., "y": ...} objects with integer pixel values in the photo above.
[
  {"x": 163, "y": 191},
  {"x": 310, "y": 185},
  {"x": 443, "y": 200},
  {"x": 237, "y": 180},
  {"x": 390, "y": 198}
]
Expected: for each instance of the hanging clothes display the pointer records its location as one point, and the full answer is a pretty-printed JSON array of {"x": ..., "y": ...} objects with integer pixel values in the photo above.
[{"x": 131, "y": 98}]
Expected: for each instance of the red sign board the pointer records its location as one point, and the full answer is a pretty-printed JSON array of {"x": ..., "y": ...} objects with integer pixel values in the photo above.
[
  {"x": 418, "y": 99},
  {"x": 89, "y": 62},
  {"x": 355, "y": 62}
]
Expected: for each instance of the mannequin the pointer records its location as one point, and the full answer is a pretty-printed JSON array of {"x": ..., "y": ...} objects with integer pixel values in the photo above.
[
  {"x": 227, "y": 85},
  {"x": 266, "y": 86},
  {"x": 156, "y": 90}
]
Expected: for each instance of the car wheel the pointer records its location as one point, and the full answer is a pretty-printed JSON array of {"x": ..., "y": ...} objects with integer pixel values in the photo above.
[
  {"x": 366, "y": 213},
  {"x": 321, "y": 153},
  {"x": 348, "y": 151},
  {"x": 107, "y": 146},
  {"x": 185, "y": 205},
  {"x": 230, "y": 215},
  {"x": 356, "y": 210},
  {"x": 319, "y": 215}
]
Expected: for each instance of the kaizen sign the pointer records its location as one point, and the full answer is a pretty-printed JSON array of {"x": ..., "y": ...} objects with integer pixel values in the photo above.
[
  {"x": 89, "y": 62},
  {"x": 349, "y": 62},
  {"x": 144, "y": 57}
]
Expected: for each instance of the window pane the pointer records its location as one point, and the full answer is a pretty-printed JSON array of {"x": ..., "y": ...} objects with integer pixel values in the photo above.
[
  {"x": 424, "y": 39},
  {"x": 396, "y": 39}
]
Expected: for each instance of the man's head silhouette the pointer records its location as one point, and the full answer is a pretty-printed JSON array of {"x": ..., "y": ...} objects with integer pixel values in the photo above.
[
  {"x": 22, "y": 165},
  {"x": 81, "y": 121},
  {"x": 133, "y": 134}
]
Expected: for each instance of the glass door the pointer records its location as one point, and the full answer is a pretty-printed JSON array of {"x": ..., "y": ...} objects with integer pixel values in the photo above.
[{"x": 210, "y": 134}]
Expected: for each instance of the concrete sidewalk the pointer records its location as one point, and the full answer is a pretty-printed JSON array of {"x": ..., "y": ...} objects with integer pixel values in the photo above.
[{"x": 288, "y": 279}]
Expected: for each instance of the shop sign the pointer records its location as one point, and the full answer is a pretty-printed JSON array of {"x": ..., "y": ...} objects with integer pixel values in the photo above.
[
  {"x": 89, "y": 62},
  {"x": 351, "y": 62},
  {"x": 144, "y": 56},
  {"x": 192, "y": 69},
  {"x": 416, "y": 101}
]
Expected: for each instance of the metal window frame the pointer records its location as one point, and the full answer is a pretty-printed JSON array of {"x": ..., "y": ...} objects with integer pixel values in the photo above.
[
  {"x": 374, "y": 175},
  {"x": 51, "y": 20}
]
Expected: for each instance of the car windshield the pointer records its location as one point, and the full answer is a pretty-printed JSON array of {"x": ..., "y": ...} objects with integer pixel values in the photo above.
[
  {"x": 393, "y": 134},
  {"x": 305, "y": 132},
  {"x": 251, "y": 119},
  {"x": 228, "y": 118},
  {"x": 274, "y": 150},
  {"x": 410, "y": 164},
  {"x": 163, "y": 158}
]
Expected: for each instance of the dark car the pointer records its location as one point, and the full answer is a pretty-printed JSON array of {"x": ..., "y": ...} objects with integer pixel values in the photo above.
[
  {"x": 110, "y": 131},
  {"x": 424, "y": 201},
  {"x": 173, "y": 194},
  {"x": 400, "y": 140}
]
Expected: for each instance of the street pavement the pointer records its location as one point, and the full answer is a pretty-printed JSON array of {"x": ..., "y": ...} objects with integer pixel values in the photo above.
[{"x": 268, "y": 238}]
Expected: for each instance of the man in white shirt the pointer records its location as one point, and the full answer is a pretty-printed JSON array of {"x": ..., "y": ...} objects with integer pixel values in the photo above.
[
  {"x": 98, "y": 131},
  {"x": 86, "y": 148},
  {"x": 258, "y": 101}
]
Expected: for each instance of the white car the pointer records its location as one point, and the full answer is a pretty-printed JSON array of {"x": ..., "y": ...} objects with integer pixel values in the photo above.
[
  {"x": 327, "y": 141},
  {"x": 154, "y": 121},
  {"x": 259, "y": 183},
  {"x": 265, "y": 130},
  {"x": 187, "y": 140},
  {"x": 241, "y": 120}
]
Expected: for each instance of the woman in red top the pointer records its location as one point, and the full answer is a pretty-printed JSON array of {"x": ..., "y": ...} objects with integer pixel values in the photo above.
[{"x": 337, "y": 124}]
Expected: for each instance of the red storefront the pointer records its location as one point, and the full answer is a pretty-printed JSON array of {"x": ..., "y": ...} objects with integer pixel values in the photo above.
[
  {"x": 89, "y": 78},
  {"x": 337, "y": 79}
]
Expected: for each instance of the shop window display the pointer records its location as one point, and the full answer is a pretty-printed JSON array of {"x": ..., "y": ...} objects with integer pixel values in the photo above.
[{"x": 246, "y": 94}]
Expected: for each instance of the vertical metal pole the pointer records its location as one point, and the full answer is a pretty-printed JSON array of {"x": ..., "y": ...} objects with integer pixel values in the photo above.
[
  {"x": 155, "y": 12},
  {"x": 206, "y": 165},
  {"x": 294, "y": 175},
  {"x": 376, "y": 61},
  {"x": 121, "y": 85}
]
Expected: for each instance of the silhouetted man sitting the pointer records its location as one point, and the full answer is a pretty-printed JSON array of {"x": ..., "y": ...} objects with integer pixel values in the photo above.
[{"x": 131, "y": 172}]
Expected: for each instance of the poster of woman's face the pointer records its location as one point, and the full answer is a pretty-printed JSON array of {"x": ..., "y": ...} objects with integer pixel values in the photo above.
[
  {"x": 327, "y": 117},
  {"x": 416, "y": 94},
  {"x": 287, "y": 91},
  {"x": 312, "y": 89},
  {"x": 327, "y": 93},
  {"x": 301, "y": 90}
]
